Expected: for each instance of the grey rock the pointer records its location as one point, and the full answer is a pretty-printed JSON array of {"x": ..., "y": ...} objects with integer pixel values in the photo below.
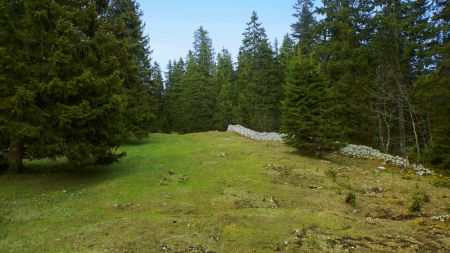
[{"x": 255, "y": 135}]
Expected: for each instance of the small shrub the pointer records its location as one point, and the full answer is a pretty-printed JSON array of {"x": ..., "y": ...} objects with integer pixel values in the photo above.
[
  {"x": 418, "y": 199},
  {"x": 351, "y": 199},
  {"x": 416, "y": 205},
  {"x": 332, "y": 174}
]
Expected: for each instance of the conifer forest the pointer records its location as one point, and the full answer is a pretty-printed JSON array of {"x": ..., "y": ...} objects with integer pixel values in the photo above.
[{"x": 84, "y": 105}]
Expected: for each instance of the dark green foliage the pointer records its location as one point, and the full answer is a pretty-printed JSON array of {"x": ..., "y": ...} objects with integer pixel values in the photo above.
[
  {"x": 225, "y": 112},
  {"x": 351, "y": 199},
  {"x": 418, "y": 199},
  {"x": 433, "y": 92},
  {"x": 287, "y": 52},
  {"x": 156, "y": 94},
  {"x": 190, "y": 89},
  {"x": 345, "y": 64},
  {"x": 64, "y": 66},
  {"x": 304, "y": 29},
  {"x": 416, "y": 205},
  {"x": 135, "y": 67},
  {"x": 305, "y": 107},
  {"x": 259, "y": 80},
  {"x": 173, "y": 95}
]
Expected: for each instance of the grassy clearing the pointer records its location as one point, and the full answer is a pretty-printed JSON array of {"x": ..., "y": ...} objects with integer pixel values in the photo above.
[{"x": 218, "y": 192}]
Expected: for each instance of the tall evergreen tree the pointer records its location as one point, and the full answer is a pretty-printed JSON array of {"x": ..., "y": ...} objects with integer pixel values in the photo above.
[
  {"x": 135, "y": 68},
  {"x": 287, "y": 51},
  {"x": 225, "y": 112},
  {"x": 173, "y": 95},
  {"x": 345, "y": 61},
  {"x": 258, "y": 79},
  {"x": 433, "y": 90},
  {"x": 156, "y": 92},
  {"x": 200, "y": 92},
  {"x": 61, "y": 92},
  {"x": 304, "y": 107},
  {"x": 304, "y": 29}
]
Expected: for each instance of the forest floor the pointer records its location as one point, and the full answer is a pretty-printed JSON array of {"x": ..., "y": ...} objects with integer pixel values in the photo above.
[{"x": 219, "y": 192}]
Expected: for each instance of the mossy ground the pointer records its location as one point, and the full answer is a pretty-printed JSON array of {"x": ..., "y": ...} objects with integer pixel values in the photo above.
[{"x": 218, "y": 192}]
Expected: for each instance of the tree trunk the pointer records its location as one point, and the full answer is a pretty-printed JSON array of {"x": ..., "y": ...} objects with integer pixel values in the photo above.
[
  {"x": 15, "y": 156},
  {"x": 401, "y": 126}
]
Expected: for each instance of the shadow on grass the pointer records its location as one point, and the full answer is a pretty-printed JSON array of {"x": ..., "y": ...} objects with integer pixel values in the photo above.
[
  {"x": 310, "y": 155},
  {"x": 136, "y": 141},
  {"x": 51, "y": 175}
]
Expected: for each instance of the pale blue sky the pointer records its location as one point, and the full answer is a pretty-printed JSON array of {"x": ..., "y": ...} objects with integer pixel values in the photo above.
[{"x": 171, "y": 23}]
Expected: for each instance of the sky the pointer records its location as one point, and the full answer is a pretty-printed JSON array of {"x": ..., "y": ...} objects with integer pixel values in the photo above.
[{"x": 170, "y": 24}]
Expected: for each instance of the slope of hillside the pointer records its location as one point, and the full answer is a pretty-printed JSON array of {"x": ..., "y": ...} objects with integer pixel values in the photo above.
[{"x": 219, "y": 192}]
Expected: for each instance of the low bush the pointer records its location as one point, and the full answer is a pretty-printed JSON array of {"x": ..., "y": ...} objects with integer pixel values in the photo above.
[{"x": 351, "y": 199}]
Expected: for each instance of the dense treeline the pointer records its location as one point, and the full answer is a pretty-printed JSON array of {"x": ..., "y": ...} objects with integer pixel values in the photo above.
[
  {"x": 364, "y": 72},
  {"x": 76, "y": 80}
]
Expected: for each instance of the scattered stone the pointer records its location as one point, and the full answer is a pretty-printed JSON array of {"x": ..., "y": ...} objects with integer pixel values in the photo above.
[
  {"x": 163, "y": 181},
  {"x": 351, "y": 150},
  {"x": 441, "y": 218},
  {"x": 364, "y": 152},
  {"x": 223, "y": 154}
]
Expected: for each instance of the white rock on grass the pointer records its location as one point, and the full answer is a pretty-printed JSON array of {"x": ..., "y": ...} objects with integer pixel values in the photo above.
[
  {"x": 255, "y": 135},
  {"x": 351, "y": 150},
  {"x": 365, "y": 152}
]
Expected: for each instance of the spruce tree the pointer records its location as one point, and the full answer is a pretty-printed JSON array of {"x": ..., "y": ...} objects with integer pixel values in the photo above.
[
  {"x": 61, "y": 92},
  {"x": 345, "y": 60},
  {"x": 287, "y": 51},
  {"x": 156, "y": 92},
  {"x": 135, "y": 66},
  {"x": 225, "y": 112},
  {"x": 173, "y": 96},
  {"x": 433, "y": 91},
  {"x": 199, "y": 92},
  {"x": 259, "y": 80},
  {"x": 304, "y": 29},
  {"x": 304, "y": 107}
]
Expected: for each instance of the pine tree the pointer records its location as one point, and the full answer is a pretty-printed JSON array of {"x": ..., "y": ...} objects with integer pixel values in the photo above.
[
  {"x": 135, "y": 65},
  {"x": 173, "y": 95},
  {"x": 225, "y": 112},
  {"x": 156, "y": 92},
  {"x": 61, "y": 93},
  {"x": 345, "y": 60},
  {"x": 433, "y": 91},
  {"x": 287, "y": 51},
  {"x": 199, "y": 90},
  {"x": 259, "y": 80},
  {"x": 304, "y": 107},
  {"x": 304, "y": 29}
]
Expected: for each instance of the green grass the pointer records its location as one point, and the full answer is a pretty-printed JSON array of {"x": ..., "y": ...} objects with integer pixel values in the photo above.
[{"x": 218, "y": 192}]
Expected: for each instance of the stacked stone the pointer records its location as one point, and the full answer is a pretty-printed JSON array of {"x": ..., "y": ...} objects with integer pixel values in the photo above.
[
  {"x": 255, "y": 135},
  {"x": 420, "y": 170},
  {"x": 351, "y": 150},
  {"x": 365, "y": 152}
]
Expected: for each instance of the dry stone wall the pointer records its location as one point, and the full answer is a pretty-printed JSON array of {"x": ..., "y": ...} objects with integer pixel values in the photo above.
[
  {"x": 255, "y": 135},
  {"x": 355, "y": 151}
]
